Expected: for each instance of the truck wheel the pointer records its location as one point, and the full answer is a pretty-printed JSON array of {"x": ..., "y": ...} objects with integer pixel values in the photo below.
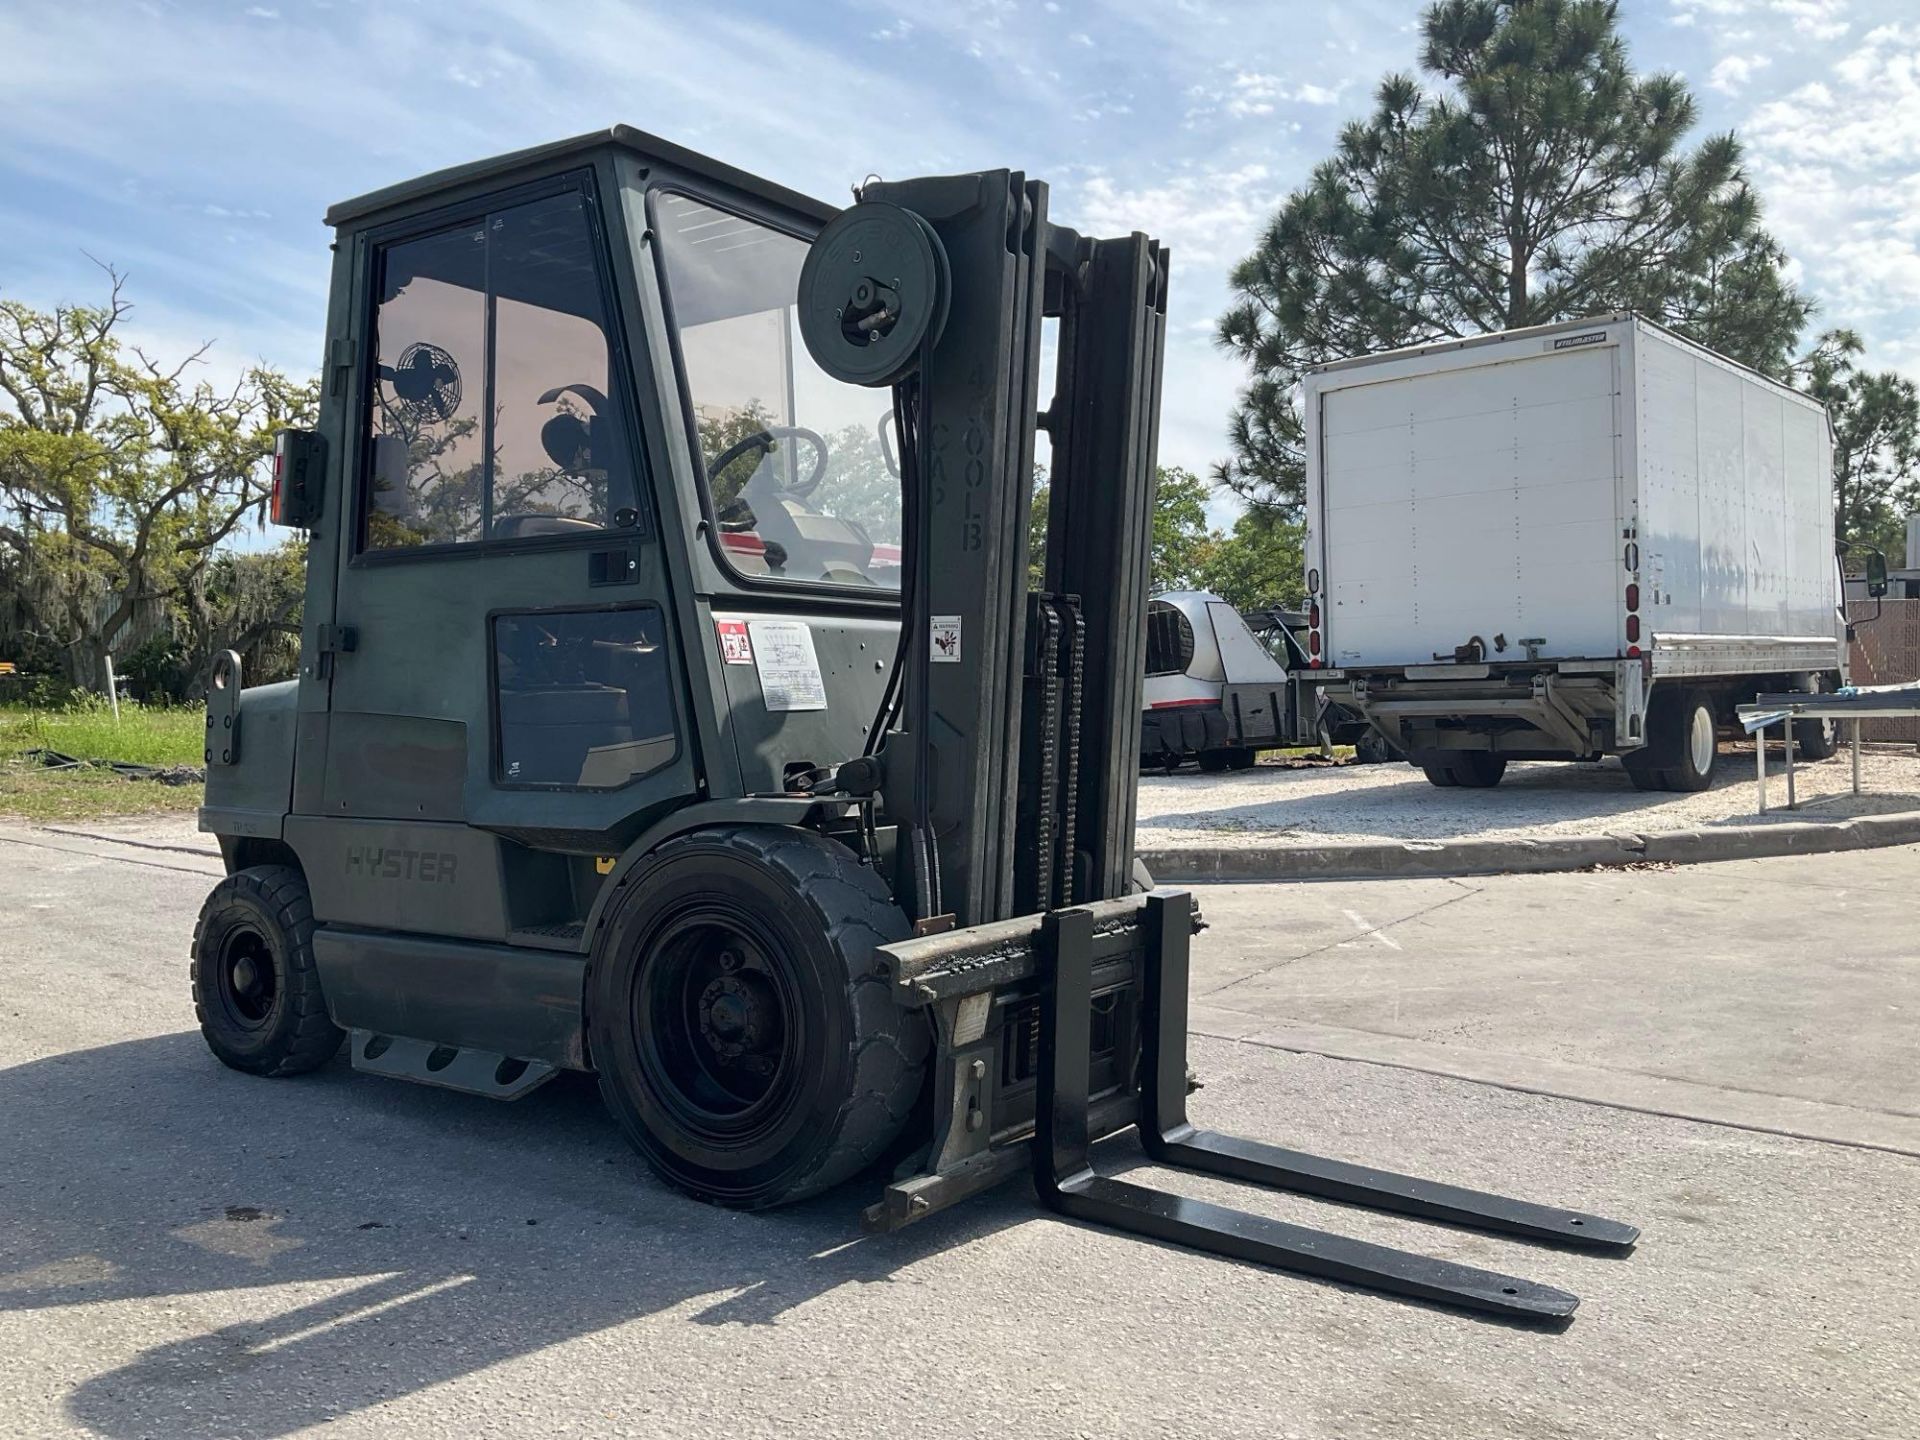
[
  {"x": 1815, "y": 739},
  {"x": 747, "y": 1040},
  {"x": 1475, "y": 769},
  {"x": 1479, "y": 769},
  {"x": 1683, "y": 741},
  {"x": 1215, "y": 761},
  {"x": 1641, "y": 770},
  {"x": 1372, "y": 749},
  {"x": 255, "y": 989}
]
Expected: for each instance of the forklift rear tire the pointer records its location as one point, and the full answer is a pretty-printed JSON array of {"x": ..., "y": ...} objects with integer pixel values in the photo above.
[
  {"x": 256, "y": 991},
  {"x": 745, "y": 1034}
]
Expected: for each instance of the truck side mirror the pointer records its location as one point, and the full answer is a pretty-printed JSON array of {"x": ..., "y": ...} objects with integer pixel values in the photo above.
[
  {"x": 299, "y": 462},
  {"x": 1876, "y": 575}
]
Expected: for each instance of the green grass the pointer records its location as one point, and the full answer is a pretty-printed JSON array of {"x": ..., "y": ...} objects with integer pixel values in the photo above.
[{"x": 143, "y": 736}]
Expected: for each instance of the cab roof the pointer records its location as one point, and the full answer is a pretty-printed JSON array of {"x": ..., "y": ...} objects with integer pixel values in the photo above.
[{"x": 623, "y": 137}]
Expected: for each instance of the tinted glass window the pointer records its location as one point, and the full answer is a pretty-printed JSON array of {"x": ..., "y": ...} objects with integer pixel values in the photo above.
[
  {"x": 583, "y": 697},
  {"x": 491, "y": 414},
  {"x": 1169, "y": 640},
  {"x": 799, "y": 476}
]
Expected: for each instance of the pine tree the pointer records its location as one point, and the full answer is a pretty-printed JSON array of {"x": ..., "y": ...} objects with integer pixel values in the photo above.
[{"x": 1532, "y": 177}]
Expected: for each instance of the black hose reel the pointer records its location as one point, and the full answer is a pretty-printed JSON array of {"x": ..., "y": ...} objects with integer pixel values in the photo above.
[{"x": 873, "y": 294}]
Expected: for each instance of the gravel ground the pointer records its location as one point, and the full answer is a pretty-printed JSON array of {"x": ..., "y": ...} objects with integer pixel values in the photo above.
[{"x": 1315, "y": 803}]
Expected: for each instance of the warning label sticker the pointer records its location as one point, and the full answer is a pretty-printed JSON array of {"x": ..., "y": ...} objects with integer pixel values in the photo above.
[
  {"x": 735, "y": 647},
  {"x": 943, "y": 639},
  {"x": 789, "y": 670}
]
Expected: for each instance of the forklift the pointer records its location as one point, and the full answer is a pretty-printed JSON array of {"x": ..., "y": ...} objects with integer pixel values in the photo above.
[{"x": 673, "y": 705}]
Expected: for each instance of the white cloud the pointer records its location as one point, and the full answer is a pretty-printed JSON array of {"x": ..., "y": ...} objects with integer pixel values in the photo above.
[
  {"x": 1839, "y": 164},
  {"x": 1733, "y": 72},
  {"x": 1819, "y": 19},
  {"x": 1245, "y": 94},
  {"x": 1209, "y": 216}
]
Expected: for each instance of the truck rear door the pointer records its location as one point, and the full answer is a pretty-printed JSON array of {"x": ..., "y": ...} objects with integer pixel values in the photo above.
[{"x": 1471, "y": 496}]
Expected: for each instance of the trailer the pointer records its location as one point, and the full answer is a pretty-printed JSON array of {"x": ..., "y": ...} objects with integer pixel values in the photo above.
[{"x": 1577, "y": 540}]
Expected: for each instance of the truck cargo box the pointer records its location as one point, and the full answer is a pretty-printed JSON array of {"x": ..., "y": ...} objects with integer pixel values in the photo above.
[{"x": 1503, "y": 499}]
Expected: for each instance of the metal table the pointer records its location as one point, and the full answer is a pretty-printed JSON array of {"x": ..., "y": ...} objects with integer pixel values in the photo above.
[{"x": 1887, "y": 702}]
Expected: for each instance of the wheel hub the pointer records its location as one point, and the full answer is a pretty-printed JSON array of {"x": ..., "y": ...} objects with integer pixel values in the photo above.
[
  {"x": 246, "y": 982},
  {"x": 1703, "y": 741},
  {"x": 246, "y": 976},
  {"x": 736, "y": 1012}
]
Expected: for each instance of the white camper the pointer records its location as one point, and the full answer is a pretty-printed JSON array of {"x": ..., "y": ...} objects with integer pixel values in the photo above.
[{"x": 1572, "y": 541}]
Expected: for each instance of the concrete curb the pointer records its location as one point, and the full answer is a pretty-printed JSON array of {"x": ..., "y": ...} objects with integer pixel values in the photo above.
[{"x": 1501, "y": 857}]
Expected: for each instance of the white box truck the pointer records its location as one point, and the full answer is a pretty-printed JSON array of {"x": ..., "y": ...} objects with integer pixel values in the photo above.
[{"x": 1578, "y": 540}]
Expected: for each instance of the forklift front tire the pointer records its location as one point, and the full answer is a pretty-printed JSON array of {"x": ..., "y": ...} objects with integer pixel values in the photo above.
[
  {"x": 256, "y": 991},
  {"x": 746, "y": 1037}
]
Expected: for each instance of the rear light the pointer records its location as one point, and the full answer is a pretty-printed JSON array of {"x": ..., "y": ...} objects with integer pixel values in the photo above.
[
  {"x": 1633, "y": 597},
  {"x": 1313, "y": 642},
  {"x": 1633, "y": 652},
  {"x": 1313, "y": 616},
  {"x": 1313, "y": 582},
  {"x": 1633, "y": 629},
  {"x": 299, "y": 459}
]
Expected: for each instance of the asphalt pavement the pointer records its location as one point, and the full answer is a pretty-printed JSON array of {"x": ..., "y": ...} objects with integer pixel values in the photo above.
[{"x": 1722, "y": 1054}]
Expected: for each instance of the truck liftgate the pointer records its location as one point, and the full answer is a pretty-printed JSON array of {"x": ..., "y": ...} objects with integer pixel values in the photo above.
[{"x": 1059, "y": 983}]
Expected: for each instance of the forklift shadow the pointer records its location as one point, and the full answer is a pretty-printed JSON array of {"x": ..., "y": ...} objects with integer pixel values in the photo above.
[{"x": 341, "y": 1241}]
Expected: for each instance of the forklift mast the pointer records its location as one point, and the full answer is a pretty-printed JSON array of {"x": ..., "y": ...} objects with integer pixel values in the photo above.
[{"x": 1020, "y": 710}]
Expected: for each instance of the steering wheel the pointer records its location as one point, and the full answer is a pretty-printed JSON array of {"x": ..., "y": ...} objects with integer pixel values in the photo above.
[{"x": 764, "y": 440}]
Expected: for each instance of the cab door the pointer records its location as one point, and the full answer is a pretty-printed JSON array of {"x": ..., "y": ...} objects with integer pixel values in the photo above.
[{"x": 505, "y": 684}]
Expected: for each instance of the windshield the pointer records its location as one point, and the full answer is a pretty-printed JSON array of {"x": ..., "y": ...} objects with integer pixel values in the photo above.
[{"x": 799, "y": 467}]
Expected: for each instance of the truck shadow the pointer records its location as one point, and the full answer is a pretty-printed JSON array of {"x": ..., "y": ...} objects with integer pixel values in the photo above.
[
  {"x": 1587, "y": 799},
  {"x": 350, "y": 1241}
]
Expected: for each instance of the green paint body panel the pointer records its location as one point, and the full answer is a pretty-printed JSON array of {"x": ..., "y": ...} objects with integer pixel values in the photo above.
[{"x": 454, "y": 904}]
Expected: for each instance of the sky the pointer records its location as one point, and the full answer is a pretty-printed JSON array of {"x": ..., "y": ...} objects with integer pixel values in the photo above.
[{"x": 195, "y": 144}]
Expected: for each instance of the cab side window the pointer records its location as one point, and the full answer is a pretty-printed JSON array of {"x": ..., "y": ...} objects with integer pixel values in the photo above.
[{"x": 494, "y": 412}]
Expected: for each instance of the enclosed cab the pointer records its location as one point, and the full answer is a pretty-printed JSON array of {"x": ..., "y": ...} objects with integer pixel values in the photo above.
[
  {"x": 1567, "y": 542},
  {"x": 1218, "y": 693}
]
